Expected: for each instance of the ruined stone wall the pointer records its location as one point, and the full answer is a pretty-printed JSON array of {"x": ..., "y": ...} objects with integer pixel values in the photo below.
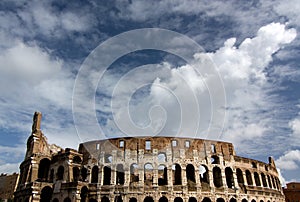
[{"x": 145, "y": 169}]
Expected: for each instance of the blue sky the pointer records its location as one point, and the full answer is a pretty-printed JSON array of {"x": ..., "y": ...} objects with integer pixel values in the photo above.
[{"x": 250, "y": 47}]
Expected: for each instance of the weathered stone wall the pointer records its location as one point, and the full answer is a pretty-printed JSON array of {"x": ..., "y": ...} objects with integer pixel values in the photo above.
[{"x": 144, "y": 169}]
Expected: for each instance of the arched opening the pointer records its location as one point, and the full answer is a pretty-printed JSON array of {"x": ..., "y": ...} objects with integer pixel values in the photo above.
[
  {"x": 76, "y": 159},
  {"x": 217, "y": 177},
  {"x": 273, "y": 182},
  {"x": 249, "y": 178},
  {"x": 92, "y": 200},
  {"x": 118, "y": 199},
  {"x": 232, "y": 200},
  {"x": 163, "y": 199},
  {"x": 190, "y": 174},
  {"x": 229, "y": 177},
  {"x": 46, "y": 194},
  {"x": 239, "y": 175},
  {"x": 244, "y": 200},
  {"x": 204, "y": 177},
  {"x": 83, "y": 194},
  {"x": 44, "y": 167},
  {"x": 133, "y": 200},
  {"x": 134, "y": 174},
  {"x": 83, "y": 174},
  {"x": 176, "y": 169},
  {"x": 148, "y": 174},
  {"x": 253, "y": 200},
  {"x": 178, "y": 199},
  {"x": 261, "y": 201},
  {"x": 206, "y": 200},
  {"x": 67, "y": 199},
  {"x": 256, "y": 179},
  {"x": 60, "y": 173},
  {"x": 162, "y": 175},
  {"x": 95, "y": 173},
  {"x": 54, "y": 200},
  {"x": 192, "y": 199},
  {"x": 215, "y": 159},
  {"x": 76, "y": 174},
  {"x": 220, "y": 200},
  {"x": 148, "y": 199},
  {"x": 269, "y": 181},
  {"x": 104, "y": 199},
  {"x": 254, "y": 165},
  {"x": 162, "y": 158},
  {"x": 264, "y": 180},
  {"x": 120, "y": 174},
  {"x": 106, "y": 175}
]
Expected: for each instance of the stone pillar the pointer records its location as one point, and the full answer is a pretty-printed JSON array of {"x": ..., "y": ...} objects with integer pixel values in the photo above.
[
  {"x": 155, "y": 176},
  {"x": 113, "y": 175},
  {"x": 245, "y": 178}
]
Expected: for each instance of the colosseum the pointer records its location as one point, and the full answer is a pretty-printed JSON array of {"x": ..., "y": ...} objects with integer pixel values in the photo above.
[{"x": 144, "y": 169}]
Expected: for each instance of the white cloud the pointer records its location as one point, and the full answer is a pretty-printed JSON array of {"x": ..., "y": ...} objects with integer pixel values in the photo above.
[
  {"x": 291, "y": 9},
  {"x": 295, "y": 126},
  {"x": 289, "y": 161}
]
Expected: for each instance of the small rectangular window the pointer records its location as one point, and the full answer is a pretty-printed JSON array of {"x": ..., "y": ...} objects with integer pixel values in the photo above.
[
  {"x": 213, "y": 148},
  {"x": 121, "y": 143},
  {"x": 97, "y": 146},
  {"x": 187, "y": 143},
  {"x": 148, "y": 145},
  {"x": 174, "y": 143}
]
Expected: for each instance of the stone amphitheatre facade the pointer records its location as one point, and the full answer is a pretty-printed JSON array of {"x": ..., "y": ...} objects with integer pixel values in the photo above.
[{"x": 143, "y": 169}]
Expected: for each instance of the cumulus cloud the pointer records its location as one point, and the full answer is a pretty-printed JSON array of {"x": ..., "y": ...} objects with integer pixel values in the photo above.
[
  {"x": 242, "y": 68},
  {"x": 289, "y": 161}
]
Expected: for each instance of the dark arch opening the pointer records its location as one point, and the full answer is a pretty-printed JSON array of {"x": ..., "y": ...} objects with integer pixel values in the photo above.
[
  {"x": 206, "y": 200},
  {"x": 217, "y": 177},
  {"x": 104, "y": 199},
  {"x": 176, "y": 174},
  {"x": 92, "y": 200},
  {"x": 95, "y": 173},
  {"x": 83, "y": 174},
  {"x": 60, "y": 173},
  {"x": 192, "y": 199},
  {"x": 178, "y": 199},
  {"x": 244, "y": 200},
  {"x": 249, "y": 178},
  {"x": 67, "y": 199},
  {"x": 46, "y": 194},
  {"x": 264, "y": 180},
  {"x": 118, "y": 199},
  {"x": 257, "y": 180},
  {"x": 220, "y": 200},
  {"x": 204, "y": 177},
  {"x": 106, "y": 175},
  {"x": 54, "y": 200},
  {"x": 133, "y": 200},
  {"x": 163, "y": 199},
  {"x": 232, "y": 200},
  {"x": 148, "y": 199},
  {"x": 76, "y": 174},
  {"x": 229, "y": 177},
  {"x": 76, "y": 159},
  {"x": 44, "y": 167},
  {"x": 215, "y": 159},
  {"x": 162, "y": 175},
  {"x": 239, "y": 175},
  {"x": 83, "y": 194},
  {"x": 120, "y": 177},
  {"x": 190, "y": 173}
]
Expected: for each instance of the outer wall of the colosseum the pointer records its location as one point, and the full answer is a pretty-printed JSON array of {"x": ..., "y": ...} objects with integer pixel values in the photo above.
[{"x": 143, "y": 169}]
